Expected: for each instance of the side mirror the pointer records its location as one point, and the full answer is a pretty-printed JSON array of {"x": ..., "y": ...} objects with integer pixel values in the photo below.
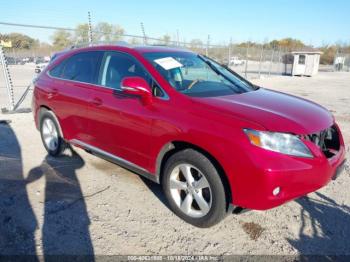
[{"x": 137, "y": 86}]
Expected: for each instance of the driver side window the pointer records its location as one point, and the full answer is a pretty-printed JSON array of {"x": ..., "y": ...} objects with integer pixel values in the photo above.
[{"x": 116, "y": 66}]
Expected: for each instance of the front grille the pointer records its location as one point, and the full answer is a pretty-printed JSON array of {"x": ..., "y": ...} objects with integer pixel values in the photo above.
[{"x": 327, "y": 140}]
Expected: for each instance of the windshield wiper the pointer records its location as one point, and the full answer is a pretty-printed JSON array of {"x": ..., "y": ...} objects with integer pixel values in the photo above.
[
  {"x": 245, "y": 81},
  {"x": 218, "y": 72}
]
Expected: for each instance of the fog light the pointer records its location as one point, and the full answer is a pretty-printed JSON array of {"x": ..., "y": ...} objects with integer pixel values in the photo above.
[{"x": 276, "y": 191}]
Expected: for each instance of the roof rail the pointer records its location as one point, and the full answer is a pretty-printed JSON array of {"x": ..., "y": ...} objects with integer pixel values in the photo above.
[
  {"x": 98, "y": 43},
  {"x": 168, "y": 45}
]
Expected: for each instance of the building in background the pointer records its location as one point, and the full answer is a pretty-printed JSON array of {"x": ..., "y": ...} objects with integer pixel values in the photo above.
[
  {"x": 339, "y": 62},
  {"x": 302, "y": 63}
]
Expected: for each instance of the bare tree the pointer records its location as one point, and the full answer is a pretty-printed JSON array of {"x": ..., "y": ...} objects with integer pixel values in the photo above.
[
  {"x": 61, "y": 39},
  {"x": 196, "y": 45},
  {"x": 108, "y": 32},
  {"x": 134, "y": 41},
  {"x": 165, "y": 40},
  {"x": 81, "y": 33}
]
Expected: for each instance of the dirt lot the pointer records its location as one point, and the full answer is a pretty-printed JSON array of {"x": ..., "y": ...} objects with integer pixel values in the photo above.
[{"x": 79, "y": 204}]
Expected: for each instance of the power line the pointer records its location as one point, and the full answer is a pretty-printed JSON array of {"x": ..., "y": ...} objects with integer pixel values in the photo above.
[
  {"x": 95, "y": 31},
  {"x": 38, "y": 26}
]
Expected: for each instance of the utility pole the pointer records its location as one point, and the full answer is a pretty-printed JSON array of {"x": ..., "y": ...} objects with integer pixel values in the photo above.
[
  {"x": 279, "y": 59},
  {"x": 177, "y": 37},
  {"x": 144, "y": 34},
  {"x": 8, "y": 80},
  {"x": 246, "y": 60},
  {"x": 90, "y": 28},
  {"x": 229, "y": 52},
  {"x": 207, "y": 48},
  {"x": 261, "y": 58},
  {"x": 271, "y": 61}
]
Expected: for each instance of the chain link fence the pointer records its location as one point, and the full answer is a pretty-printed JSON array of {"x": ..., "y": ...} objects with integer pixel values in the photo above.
[{"x": 25, "y": 55}]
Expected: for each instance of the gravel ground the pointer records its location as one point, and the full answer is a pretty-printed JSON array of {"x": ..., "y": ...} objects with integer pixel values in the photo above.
[{"x": 80, "y": 204}]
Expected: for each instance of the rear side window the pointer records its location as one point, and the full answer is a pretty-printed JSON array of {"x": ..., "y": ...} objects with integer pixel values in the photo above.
[
  {"x": 82, "y": 67},
  {"x": 57, "y": 70}
]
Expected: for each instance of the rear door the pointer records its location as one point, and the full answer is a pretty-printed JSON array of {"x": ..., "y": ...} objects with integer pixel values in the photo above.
[{"x": 71, "y": 91}]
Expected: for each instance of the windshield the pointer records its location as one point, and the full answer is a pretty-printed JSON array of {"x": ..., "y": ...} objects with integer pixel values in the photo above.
[{"x": 196, "y": 75}]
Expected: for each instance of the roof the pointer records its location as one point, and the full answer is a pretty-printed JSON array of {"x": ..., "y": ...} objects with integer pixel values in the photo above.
[
  {"x": 307, "y": 52},
  {"x": 125, "y": 45},
  {"x": 147, "y": 49}
]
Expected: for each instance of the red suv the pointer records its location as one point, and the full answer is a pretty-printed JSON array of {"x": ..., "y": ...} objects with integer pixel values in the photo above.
[{"x": 213, "y": 140}]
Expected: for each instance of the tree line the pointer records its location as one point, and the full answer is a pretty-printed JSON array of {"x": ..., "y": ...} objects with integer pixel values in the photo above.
[{"x": 62, "y": 39}]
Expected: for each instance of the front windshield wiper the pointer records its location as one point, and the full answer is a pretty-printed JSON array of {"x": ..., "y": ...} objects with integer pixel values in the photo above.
[
  {"x": 245, "y": 81},
  {"x": 214, "y": 68},
  {"x": 218, "y": 72}
]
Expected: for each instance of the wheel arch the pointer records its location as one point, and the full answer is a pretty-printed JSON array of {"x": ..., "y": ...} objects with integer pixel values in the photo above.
[
  {"x": 175, "y": 146},
  {"x": 41, "y": 111}
]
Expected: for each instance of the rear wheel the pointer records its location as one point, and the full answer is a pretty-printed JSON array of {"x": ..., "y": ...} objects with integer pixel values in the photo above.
[
  {"x": 50, "y": 134},
  {"x": 194, "y": 188}
]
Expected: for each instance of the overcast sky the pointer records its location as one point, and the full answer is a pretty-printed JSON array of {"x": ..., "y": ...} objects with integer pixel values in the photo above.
[{"x": 314, "y": 22}]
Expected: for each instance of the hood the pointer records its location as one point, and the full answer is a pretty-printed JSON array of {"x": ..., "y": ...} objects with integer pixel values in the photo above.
[{"x": 274, "y": 110}]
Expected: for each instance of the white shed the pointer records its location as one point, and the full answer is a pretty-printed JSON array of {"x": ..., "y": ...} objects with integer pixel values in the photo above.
[
  {"x": 305, "y": 63},
  {"x": 339, "y": 62}
]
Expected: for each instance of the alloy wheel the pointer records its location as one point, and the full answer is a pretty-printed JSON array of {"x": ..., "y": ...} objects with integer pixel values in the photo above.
[
  {"x": 50, "y": 134},
  {"x": 190, "y": 190}
]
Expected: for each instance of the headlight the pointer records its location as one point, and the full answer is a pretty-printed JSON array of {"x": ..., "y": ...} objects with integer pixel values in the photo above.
[{"x": 278, "y": 142}]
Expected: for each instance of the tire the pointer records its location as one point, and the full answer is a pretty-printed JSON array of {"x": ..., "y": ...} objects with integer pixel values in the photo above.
[
  {"x": 49, "y": 126},
  {"x": 187, "y": 201}
]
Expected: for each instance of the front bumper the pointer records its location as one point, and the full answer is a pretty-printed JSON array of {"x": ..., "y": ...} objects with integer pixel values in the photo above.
[{"x": 295, "y": 176}]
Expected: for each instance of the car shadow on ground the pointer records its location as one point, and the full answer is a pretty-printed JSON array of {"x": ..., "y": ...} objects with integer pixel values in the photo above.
[
  {"x": 66, "y": 222},
  {"x": 157, "y": 190},
  {"x": 325, "y": 227},
  {"x": 17, "y": 220}
]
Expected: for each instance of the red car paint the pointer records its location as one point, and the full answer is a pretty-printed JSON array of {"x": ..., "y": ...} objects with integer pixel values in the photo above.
[{"x": 139, "y": 132}]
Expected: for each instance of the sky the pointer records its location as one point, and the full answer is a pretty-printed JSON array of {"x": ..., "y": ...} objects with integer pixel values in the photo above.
[{"x": 314, "y": 22}]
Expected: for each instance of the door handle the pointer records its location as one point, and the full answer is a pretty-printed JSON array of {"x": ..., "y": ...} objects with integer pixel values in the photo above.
[{"x": 96, "y": 101}]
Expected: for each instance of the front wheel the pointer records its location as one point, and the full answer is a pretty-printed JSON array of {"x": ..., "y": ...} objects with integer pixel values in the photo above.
[{"x": 194, "y": 188}]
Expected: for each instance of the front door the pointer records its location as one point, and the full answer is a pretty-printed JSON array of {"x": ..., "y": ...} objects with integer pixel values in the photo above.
[{"x": 119, "y": 124}]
